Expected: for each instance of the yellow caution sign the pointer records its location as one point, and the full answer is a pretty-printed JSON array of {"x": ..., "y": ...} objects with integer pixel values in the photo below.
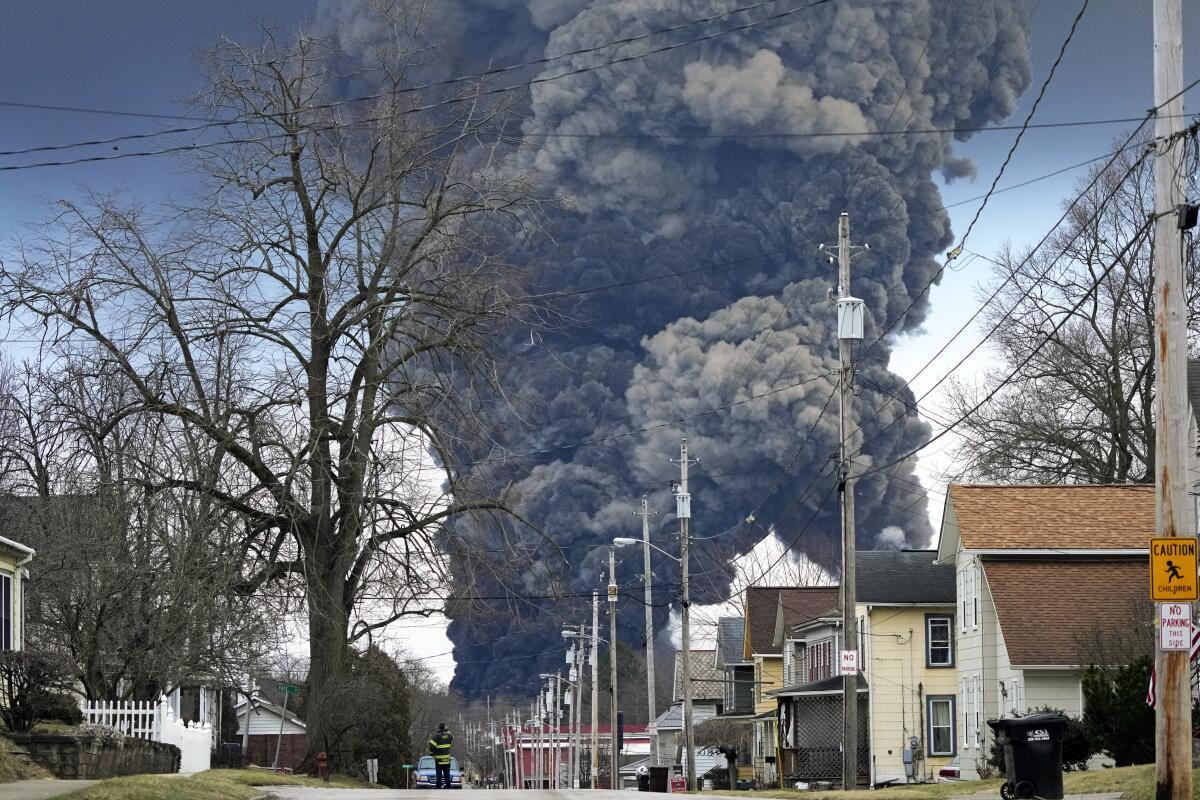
[{"x": 1173, "y": 568}]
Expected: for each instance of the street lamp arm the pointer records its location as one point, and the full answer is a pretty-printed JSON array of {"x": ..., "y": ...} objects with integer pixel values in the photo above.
[{"x": 621, "y": 541}]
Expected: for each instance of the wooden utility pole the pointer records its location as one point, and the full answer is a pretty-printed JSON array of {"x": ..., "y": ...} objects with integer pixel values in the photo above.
[
  {"x": 615, "y": 761},
  {"x": 683, "y": 510},
  {"x": 850, "y": 330},
  {"x": 649, "y": 600},
  {"x": 595, "y": 654},
  {"x": 1173, "y": 711}
]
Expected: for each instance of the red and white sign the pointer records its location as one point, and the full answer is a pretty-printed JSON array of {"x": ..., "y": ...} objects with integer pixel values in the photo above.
[
  {"x": 1175, "y": 626},
  {"x": 849, "y": 662}
]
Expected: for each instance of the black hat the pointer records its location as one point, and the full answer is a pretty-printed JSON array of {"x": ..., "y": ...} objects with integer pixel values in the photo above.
[{"x": 441, "y": 726}]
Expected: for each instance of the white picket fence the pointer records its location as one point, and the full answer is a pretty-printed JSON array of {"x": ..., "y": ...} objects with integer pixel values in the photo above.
[
  {"x": 139, "y": 719},
  {"x": 156, "y": 722}
]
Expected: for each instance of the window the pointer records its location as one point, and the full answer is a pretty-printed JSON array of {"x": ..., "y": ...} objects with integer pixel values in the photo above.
[
  {"x": 6, "y": 611},
  {"x": 939, "y": 641},
  {"x": 978, "y": 703},
  {"x": 962, "y": 593},
  {"x": 940, "y": 713},
  {"x": 968, "y": 701},
  {"x": 976, "y": 590}
]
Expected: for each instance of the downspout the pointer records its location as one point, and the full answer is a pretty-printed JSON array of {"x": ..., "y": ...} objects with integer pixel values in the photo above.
[{"x": 868, "y": 659}]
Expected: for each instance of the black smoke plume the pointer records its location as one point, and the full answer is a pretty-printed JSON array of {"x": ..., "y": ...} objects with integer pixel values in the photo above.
[{"x": 686, "y": 162}]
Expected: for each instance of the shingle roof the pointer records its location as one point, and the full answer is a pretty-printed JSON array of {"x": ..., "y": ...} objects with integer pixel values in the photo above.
[
  {"x": 798, "y": 605},
  {"x": 762, "y": 604},
  {"x": 708, "y": 680},
  {"x": 1046, "y": 608},
  {"x": 1119, "y": 517},
  {"x": 834, "y": 684},
  {"x": 730, "y": 631},
  {"x": 904, "y": 576}
]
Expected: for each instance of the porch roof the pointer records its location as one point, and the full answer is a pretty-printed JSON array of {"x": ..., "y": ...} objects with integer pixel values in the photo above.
[{"x": 827, "y": 686}]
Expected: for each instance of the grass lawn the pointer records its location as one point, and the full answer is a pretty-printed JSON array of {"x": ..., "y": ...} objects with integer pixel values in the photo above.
[
  {"x": 1136, "y": 783},
  {"x": 13, "y": 768},
  {"x": 215, "y": 784}
]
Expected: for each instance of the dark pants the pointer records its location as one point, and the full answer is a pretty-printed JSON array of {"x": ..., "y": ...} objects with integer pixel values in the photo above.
[{"x": 443, "y": 774}]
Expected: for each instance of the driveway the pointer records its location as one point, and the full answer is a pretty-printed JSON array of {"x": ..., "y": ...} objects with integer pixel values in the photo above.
[{"x": 39, "y": 790}]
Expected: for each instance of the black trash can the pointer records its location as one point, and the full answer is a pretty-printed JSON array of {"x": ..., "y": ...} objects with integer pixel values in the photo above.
[
  {"x": 1032, "y": 755},
  {"x": 660, "y": 779}
]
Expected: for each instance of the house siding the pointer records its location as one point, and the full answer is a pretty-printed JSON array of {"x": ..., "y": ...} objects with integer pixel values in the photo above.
[
  {"x": 768, "y": 674},
  {"x": 899, "y": 681},
  {"x": 1054, "y": 688},
  {"x": 978, "y": 663}
]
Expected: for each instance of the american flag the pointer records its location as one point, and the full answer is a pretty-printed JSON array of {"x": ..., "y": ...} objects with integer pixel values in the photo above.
[{"x": 1151, "y": 693}]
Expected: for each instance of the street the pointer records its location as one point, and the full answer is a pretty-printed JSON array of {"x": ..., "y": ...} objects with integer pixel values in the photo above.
[{"x": 304, "y": 793}]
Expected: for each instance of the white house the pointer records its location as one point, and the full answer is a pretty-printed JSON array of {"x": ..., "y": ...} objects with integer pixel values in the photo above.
[
  {"x": 1040, "y": 571},
  {"x": 262, "y": 726}
]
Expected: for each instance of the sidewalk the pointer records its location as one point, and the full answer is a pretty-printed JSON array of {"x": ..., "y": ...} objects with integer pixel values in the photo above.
[{"x": 39, "y": 790}]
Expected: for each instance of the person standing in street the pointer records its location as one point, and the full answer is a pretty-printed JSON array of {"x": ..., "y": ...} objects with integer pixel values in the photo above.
[{"x": 440, "y": 745}]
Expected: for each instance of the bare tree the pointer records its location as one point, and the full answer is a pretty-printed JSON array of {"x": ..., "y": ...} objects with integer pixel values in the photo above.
[
  {"x": 132, "y": 586},
  {"x": 315, "y": 327},
  {"x": 1080, "y": 409}
]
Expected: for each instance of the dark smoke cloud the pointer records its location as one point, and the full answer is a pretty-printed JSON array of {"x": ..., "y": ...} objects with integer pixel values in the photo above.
[{"x": 757, "y": 203}]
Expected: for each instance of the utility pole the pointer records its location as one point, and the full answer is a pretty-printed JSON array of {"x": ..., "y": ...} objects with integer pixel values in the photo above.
[
  {"x": 595, "y": 655},
  {"x": 850, "y": 329},
  {"x": 612, "y": 665},
  {"x": 645, "y": 514},
  {"x": 683, "y": 510},
  {"x": 1173, "y": 712}
]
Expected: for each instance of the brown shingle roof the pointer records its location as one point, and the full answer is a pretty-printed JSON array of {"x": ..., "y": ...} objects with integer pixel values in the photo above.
[
  {"x": 1059, "y": 517},
  {"x": 1047, "y": 607},
  {"x": 762, "y": 603},
  {"x": 803, "y": 604}
]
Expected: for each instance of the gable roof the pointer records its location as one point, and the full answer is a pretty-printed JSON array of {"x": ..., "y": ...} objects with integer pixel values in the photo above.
[
  {"x": 730, "y": 633},
  {"x": 904, "y": 576},
  {"x": 1073, "y": 517},
  {"x": 259, "y": 704},
  {"x": 1046, "y": 608},
  {"x": 708, "y": 680},
  {"x": 799, "y": 606},
  {"x": 761, "y": 606}
]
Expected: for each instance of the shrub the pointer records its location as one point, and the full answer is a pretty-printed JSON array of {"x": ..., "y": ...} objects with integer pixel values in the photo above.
[
  {"x": 62, "y": 707},
  {"x": 106, "y": 734},
  {"x": 1116, "y": 716},
  {"x": 28, "y": 681}
]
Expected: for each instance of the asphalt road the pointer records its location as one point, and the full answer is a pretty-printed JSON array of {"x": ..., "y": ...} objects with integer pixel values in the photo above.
[{"x": 300, "y": 793}]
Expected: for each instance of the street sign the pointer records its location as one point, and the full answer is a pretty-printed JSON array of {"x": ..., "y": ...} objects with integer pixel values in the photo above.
[
  {"x": 1175, "y": 626},
  {"x": 287, "y": 688},
  {"x": 1173, "y": 568},
  {"x": 849, "y": 662}
]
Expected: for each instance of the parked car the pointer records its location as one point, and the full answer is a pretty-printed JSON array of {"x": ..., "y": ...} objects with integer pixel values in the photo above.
[{"x": 425, "y": 775}]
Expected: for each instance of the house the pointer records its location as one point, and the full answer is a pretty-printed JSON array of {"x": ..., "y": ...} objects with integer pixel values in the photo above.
[
  {"x": 708, "y": 691},
  {"x": 770, "y": 611},
  {"x": 263, "y": 726},
  {"x": 809, "y": 708},
  {"x": 534, "y": 749},
  {"x": 14, "y": 572},
  {"x": 1041, "y": 571},
  {"x": 738, "y": 696},
  {"x": 906, "y": 606}
]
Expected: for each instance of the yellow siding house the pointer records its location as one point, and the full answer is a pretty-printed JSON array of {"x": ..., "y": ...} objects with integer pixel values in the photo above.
[{"x": 14, "y": 557}]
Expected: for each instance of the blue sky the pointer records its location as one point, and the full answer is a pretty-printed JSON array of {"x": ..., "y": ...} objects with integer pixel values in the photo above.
[{"x": 138, "y": 55}]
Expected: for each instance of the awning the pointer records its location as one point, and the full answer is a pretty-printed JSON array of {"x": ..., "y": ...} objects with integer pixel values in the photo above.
[{"x": 817, "y": 688}]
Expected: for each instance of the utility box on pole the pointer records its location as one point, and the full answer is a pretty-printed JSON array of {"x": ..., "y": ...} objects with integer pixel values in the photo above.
[{"x": 850, "y": 311}]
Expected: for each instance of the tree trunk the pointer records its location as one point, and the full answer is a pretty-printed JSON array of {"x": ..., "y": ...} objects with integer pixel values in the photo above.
[{"x": 329, "y": 666}]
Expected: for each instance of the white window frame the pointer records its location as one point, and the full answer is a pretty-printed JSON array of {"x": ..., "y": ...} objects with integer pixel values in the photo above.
[
  {"x": 976, "y": 591},
  {"x": 962, "y": 592},
  {"x": 968, "y": 698},
  {"x": 929, "y": 703},
  {"x": 978, "y": 715}
]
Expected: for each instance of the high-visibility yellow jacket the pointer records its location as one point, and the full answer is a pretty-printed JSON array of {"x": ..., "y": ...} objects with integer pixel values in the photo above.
[{"x": 439, "y": 747}]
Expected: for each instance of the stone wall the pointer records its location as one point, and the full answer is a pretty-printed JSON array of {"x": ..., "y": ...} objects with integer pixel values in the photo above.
[{"x": 91, "y": 758}]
